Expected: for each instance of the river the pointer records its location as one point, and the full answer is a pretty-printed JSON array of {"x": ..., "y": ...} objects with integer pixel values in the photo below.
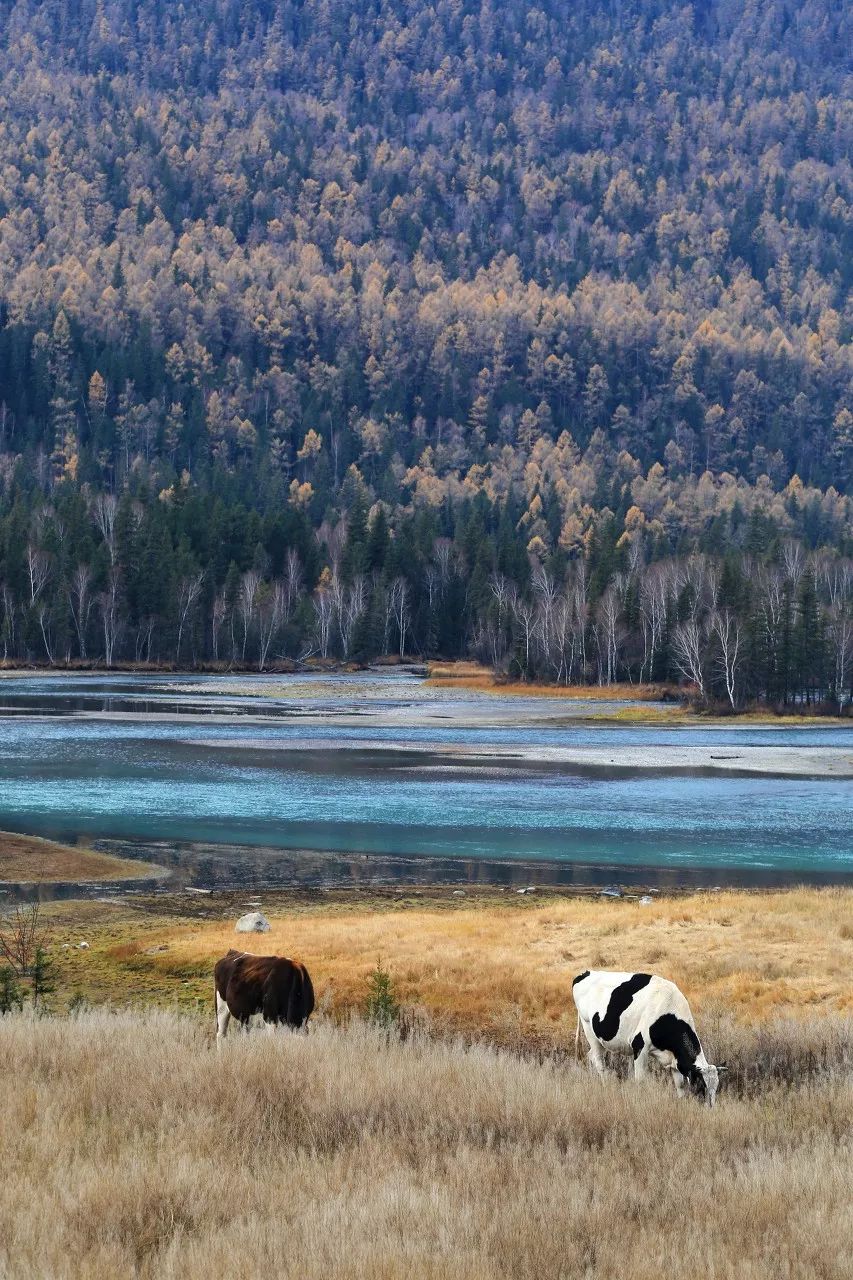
[{"x": 264, "y": 780}]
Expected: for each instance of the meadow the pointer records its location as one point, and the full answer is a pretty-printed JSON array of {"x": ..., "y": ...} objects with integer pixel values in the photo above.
[
  {"x": 482, "y": 963},
  {"x": 466, "y": 1141},
  {"x": 133, "y": 1148},
  {"x": 675, "y": 705},
  {"x": 32, "y": 860}
]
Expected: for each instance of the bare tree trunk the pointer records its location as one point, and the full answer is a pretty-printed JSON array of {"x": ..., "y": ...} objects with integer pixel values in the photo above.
[
  {"x": 108, "y": 603},
  {"x": 323, "y": 612},
  {"x": 525, "y": 615},
  {"x": 687, "y": 649},
  {"x": 728, "y": 632},
  {"x": 246, "y": 601},
  {"x": 188, "y": 592},
  {"x": 400, "y": 606},
  {"x": 80, "y": 603},
  {"x": 44, "y": 620},
  {"x": 104, "y": 514},
  {"x": 270, "y": 616}
]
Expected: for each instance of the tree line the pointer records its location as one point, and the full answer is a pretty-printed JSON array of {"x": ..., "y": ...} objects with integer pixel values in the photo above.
[
  {"x": 198, "y": 580},
  {"x": 339, "y": 331}
]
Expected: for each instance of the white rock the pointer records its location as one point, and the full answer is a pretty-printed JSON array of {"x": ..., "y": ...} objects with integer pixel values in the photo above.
[
  {"x": 646, "y": 901},
  {"x": 253, "y": 922},
  {"x": 82, "y": 946}
]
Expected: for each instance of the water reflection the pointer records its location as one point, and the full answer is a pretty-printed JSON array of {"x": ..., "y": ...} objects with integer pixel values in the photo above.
[{"x": 224, "y": 868}]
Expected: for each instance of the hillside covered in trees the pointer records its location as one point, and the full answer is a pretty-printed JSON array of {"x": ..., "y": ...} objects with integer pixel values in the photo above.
[{"x": 463, "y": 327}]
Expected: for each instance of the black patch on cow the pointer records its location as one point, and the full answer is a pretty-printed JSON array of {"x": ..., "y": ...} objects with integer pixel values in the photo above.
[
  {"x": 673, "y": 1033},
  {"x": 605, "y": 1028},
  {"x": 637, "y": 1044},
  {"x": 580, "y": 977}
]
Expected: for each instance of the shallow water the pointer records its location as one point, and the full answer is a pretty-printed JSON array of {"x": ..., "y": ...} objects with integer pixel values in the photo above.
[{"x": 321, "y": 764}]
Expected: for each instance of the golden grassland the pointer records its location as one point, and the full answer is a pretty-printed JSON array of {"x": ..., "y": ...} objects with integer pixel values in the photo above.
[
  {"x": 474, "y": 676},
  {"x": 31, "y": 860},
  {"x": 132, "y": 1148},
  {"x": 470, "y": 1146},
  {"x": 497, "y": 965}
]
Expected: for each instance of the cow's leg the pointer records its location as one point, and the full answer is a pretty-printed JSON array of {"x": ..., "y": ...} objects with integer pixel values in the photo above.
[
  {"x": 679, "y": 1081},
  {"x": 640, "y": 1049},
  {"x": 223, "y": 1017},
  {"x": 595, "y": 1057}
]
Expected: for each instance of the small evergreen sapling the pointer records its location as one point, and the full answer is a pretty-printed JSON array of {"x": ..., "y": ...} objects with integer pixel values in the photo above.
[
  {"x": 10, "y": 991},
  {"x": 383, "y": 1007},
  {"x": 43, "y": 983}
]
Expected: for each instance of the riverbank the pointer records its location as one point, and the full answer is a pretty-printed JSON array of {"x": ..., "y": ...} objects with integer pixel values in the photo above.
[
  {"x": 638, "y": 704},
  {"x": 280, "y": 667},
  {"x": 30, "y": 860},
  {"x": 474, "y": 676},
  {"x": 673, "y": 704}
]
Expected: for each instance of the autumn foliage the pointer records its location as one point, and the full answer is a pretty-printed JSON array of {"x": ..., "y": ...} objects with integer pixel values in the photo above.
[{"x": 543, "y": 287}]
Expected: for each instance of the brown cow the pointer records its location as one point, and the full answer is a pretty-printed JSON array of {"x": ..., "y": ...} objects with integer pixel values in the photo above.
[{"x": 278, "y": 988}]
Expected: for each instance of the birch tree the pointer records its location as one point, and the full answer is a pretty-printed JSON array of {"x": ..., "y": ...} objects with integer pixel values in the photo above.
[
  {"x": 727, "y": 630},
  {"x": 688, "y": 653},
  {"x": 80, "y": 604}
]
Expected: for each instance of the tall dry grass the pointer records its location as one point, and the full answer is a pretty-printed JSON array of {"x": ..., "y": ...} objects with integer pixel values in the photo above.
[{"x": 130, "y": 1147}]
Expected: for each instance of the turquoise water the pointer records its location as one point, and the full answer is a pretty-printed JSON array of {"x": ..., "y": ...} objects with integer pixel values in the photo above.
[{"x": 290, "y": 783}]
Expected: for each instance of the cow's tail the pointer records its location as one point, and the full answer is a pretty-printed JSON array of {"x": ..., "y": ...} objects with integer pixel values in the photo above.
[
  {"x": 301, "y": 998},
  {"x": 307, "y": 996},
  {"x": 578, "y": 1040},
  {"x": 293, "y": 1014}
]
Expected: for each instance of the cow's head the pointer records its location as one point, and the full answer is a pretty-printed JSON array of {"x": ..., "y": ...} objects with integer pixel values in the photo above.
[{"x": 705, "y": 1081}]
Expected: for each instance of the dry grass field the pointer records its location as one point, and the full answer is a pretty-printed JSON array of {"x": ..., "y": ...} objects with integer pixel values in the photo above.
[
  {"x": 31, "y": 860},
  {"x": 473, "y": 675},
  {"x": 464, "y": 675},
  {"x": 132, "y": 1148},
  {"x": 472, "y": 1145},
  {"x": 495, "y": 966}
]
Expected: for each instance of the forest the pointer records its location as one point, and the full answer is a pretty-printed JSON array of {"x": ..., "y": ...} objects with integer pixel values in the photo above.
[{"x": 517, "y": 331}]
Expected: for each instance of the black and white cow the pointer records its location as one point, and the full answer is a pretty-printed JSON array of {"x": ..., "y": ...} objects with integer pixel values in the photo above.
[{"x": 648, "y": 1016}]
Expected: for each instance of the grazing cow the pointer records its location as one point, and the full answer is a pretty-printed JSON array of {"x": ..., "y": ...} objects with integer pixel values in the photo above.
[
  {"x": 278, "y": 988},
  {"x": 648, "y": 1016}
]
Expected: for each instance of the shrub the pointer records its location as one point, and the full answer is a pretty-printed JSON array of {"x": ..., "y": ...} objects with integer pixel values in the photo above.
[
  {"x": 10, "y": 991},
  {"x": 21, "y": 936},
  {"x": 383, "y": 1007},
  {"x": 42, "y": 977}
]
